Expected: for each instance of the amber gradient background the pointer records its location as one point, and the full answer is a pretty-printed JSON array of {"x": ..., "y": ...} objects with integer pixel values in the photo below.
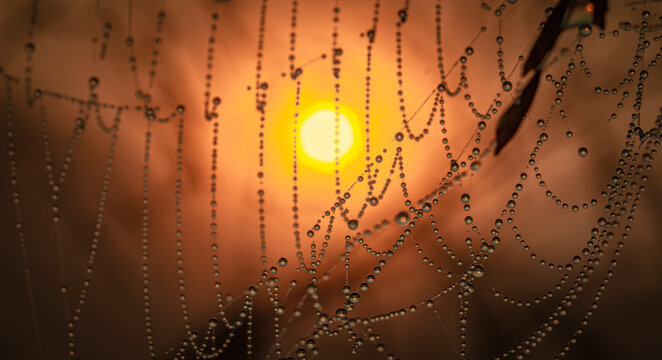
[{"x": 626, "y": 325}]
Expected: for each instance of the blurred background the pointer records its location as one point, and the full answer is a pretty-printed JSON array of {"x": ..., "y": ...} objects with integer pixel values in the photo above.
[{"x": 68, "y": 40}]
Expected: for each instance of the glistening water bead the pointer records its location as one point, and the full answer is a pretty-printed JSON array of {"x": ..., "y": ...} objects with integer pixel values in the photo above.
[
  {"x": 402, "y": 218},
  {"x": 582, "y": 151},
  {"x": 478, "y": 271},
  {"x": 585, "y": 30}
]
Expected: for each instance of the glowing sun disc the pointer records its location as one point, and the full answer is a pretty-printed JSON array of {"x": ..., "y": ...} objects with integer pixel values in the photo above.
[{"x": 318, "y": 136}]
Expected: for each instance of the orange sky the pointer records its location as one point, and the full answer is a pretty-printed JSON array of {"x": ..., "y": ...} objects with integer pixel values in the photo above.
[{"x": 112, "y": 324}]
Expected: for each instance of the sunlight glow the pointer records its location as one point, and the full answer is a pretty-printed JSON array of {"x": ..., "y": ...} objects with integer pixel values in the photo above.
[{"x": 318, "y": 136}]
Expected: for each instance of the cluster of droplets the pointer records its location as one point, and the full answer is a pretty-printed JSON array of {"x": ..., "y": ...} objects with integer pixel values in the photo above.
[
  {"x": 16, "y": 198},
  {"x": 260, "y": 105},
  {"x": 57, "y": 179},
  {"x": 211, "y": 114},
  {"x": 621, "y": 198}
]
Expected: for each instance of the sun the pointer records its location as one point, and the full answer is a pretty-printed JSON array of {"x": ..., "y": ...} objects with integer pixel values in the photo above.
[{"x": 317, "y": 136}]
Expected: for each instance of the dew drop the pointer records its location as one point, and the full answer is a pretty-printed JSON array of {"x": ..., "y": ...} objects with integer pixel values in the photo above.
[
  {"x": 585, "y": 30},
  {"x": 280, "y": 310},
  {"x": 80, "y": 125},
  {"x": 402, "y": 218},
  {"x": 426, "y": 207},
  {"x": 478, "y": 271},
  {"x": 93, "y": 82},
  {"x": 403, "y": 15}
]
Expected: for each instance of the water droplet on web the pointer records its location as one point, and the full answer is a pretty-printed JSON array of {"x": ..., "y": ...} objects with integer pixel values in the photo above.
[
  {"x": 371, "y": 35},
  {"x": 426, "y": 207},
  {"x": 80, "y": 125},
  {"x": 403, "y": 15},
  {"x": 296, "y": 73},
  {"x": 478, "y": 271},
  {"x": 93, "y": 82},
  {"x": 582, "y": 151},
  {"x": 280, "y": 310},
  {"x": 585, "y": 30},
  {"x": 402, "y": 218}
]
